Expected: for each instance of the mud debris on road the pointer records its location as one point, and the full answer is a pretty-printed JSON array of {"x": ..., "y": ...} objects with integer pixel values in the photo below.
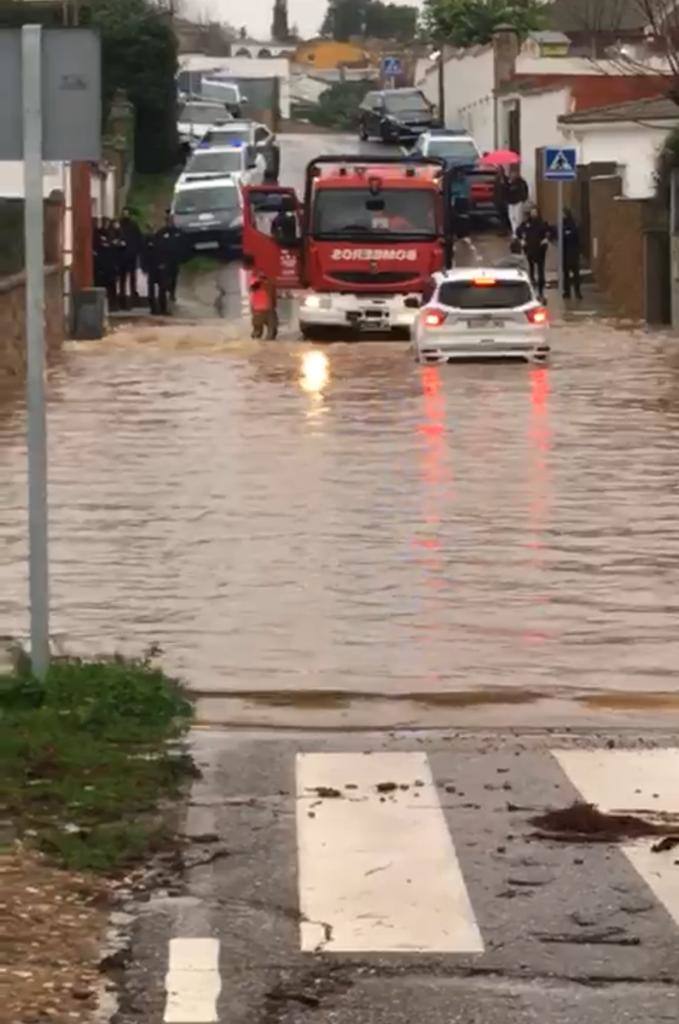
[{"x": 583, "y": 822}]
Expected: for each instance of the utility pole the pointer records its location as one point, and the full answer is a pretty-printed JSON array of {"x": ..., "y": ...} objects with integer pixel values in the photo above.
[
  {"x": 442, "y": 84},
  {"x": 82, "y": 267}
]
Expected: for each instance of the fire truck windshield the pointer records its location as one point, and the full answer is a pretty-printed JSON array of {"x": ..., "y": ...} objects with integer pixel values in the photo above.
[{"x": 357, "y": 213}]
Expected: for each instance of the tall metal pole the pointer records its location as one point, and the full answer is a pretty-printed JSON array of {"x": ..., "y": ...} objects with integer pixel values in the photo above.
[
  {"x": 31, "y": 47},
  {"x": 559, "y": 213},
  {"x": 442, "y": 85}
]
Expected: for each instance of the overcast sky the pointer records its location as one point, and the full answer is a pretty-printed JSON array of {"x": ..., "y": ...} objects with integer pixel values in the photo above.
[{"x": 256, "y": 14}]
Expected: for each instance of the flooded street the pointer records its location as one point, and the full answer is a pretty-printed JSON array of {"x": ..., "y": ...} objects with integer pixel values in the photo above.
[
  {"x": 280, "y": 518},
  {"x": 283, "y": 519}
]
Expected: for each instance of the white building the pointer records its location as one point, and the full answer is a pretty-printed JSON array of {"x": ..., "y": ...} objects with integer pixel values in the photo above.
[
  {"x": 629, "y": 134},
  {"x": 253, "y": 49},
  {"x": 513, "y": 97}
]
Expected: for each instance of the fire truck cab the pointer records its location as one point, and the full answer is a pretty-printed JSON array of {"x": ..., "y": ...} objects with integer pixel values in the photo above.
[{"x": 362, "y": 246}]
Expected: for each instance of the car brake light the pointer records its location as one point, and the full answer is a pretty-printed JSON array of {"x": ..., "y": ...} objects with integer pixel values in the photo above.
[
  {"x": 539, "y": 315},
  {"x": 434, "y": 318},
  {"x": 484, "y": 282}
]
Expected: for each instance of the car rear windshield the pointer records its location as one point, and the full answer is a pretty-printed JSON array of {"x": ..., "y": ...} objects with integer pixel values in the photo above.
[
  {"x": 357, "y": 213},
  {"x": 500, "y": 295},
  {"x": 215, "y": 163},
  {"x": 406, "y": 103},
  {"x": 454, "y": 149},
  {"x": 206, "y": 200},
  {"x": 194, "y": 113},
  {"x": 228, "y": 137}
]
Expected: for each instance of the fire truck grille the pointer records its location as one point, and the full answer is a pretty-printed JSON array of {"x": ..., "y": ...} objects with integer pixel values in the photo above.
[{"x": 381, "y": 277}]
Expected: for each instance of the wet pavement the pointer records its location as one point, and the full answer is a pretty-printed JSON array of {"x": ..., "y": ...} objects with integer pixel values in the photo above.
[{"x": 339, "y": 536}]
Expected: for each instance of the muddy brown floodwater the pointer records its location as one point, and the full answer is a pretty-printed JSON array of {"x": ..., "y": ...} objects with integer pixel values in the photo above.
[{"x": 283, "y": 519}]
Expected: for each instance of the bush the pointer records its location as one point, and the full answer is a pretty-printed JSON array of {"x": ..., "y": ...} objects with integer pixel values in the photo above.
[
  {"x": 85, "y": 759},
  {"x": 338, "y": 105}
]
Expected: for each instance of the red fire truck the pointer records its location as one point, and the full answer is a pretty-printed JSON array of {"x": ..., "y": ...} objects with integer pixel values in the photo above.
[{"x": 362, "y": 246}]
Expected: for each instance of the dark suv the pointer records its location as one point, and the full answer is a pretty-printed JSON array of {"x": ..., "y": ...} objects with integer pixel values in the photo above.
[{"x": 393, "y": 115}]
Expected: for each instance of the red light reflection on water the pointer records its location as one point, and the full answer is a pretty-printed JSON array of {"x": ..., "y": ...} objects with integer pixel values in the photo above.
[{"x": 436, "y": 490}]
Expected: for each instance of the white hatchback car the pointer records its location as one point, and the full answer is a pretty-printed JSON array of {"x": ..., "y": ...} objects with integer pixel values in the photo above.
[{"x": 481, "y": 313}]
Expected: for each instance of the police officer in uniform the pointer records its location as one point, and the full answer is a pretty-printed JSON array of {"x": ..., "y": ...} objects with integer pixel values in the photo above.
[
  {"x": 154, "y": 264},
  {"x": 171, "y": 243},
  {"x": 104, "y": 253}
]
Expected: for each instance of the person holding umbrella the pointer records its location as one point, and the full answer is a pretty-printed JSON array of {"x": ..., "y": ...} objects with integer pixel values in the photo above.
[{"x": 517, "y": 197}]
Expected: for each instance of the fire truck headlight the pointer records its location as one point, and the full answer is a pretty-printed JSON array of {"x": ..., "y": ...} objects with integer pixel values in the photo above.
[{"x": 312, "y": 302}]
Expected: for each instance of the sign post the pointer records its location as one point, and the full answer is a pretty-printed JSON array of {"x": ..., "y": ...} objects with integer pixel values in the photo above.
[
  {"x": 50, "y": 82},
  {"x": 31, "y": 55},
  {"x": 561, "y": 165}
]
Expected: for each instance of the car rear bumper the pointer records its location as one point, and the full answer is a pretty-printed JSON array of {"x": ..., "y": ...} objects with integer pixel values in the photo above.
[
  {"x": 442, "y": 349},
  {"x": 358, "y": 312},
  {"x": 214, "y": 238}
]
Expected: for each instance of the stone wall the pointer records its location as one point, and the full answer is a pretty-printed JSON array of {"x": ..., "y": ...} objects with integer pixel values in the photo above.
[{"x": 13, "y": 319}]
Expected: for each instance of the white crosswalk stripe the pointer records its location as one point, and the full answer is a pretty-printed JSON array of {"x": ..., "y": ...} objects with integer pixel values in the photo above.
[
  {"x": 377, "y": 866},
  {"x": 637, "y": 781},
  {"x": 193, "y": 982},
  {"x": 428, "y": 858}
]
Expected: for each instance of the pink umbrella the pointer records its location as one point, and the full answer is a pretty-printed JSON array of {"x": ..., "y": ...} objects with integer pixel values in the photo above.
[{"x": 500, "y": 158}]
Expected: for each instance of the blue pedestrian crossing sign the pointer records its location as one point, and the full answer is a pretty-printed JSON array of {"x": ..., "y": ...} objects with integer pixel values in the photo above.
[
  {"x": 561, "y": 163},
  {"x": 391, "y": 67}
]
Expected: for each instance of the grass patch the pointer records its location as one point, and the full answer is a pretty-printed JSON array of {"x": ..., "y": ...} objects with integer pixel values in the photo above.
[
  {"x": 87, "y": 758},
  {"x": 150, "y": 196}
]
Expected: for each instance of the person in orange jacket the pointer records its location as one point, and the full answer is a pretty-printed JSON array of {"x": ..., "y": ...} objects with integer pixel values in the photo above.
[{"x": 263, "y": 307}]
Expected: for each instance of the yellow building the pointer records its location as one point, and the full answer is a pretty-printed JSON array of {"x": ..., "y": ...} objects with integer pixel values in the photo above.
[{"x": 325, "y": 54}]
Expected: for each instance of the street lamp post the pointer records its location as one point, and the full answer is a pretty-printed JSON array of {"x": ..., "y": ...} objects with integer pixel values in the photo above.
[{"x": 440, "y": 58}]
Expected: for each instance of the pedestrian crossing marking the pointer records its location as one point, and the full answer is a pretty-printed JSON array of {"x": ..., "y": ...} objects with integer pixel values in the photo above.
[
  {"x": 193, "y": 982},
  {"x": 642, "y": 781},
  {"x": 378, "y": 870}
]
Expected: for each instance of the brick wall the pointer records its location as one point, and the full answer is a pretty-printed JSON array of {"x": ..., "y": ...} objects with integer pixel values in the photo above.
[{"x": 13, "y": 319}]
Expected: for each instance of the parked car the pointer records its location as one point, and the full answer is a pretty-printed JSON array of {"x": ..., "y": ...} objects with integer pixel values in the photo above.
[
  {"x": 395, "y": 115},
  {"x": 459, "y": 150},
  {"x": 476, "y": 313},
  {"x": 243, "y": 164},
  {"x": 209, "y": 213},
  {"x": 456, "y": 146},
  {"x": 194, "y": 117},
  {"x": 247, "y": 133}
]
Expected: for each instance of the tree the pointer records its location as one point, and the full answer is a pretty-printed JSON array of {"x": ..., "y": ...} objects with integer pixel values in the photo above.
[
  {"x": 373, "y": 18},
  {"x": 280, "y": 32},
  {"x": 345, "y": 18},
  {"x": 473, "y": 22},
  {"x": 139, "y": 56},
  {"x": 391, "y": 21}
]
